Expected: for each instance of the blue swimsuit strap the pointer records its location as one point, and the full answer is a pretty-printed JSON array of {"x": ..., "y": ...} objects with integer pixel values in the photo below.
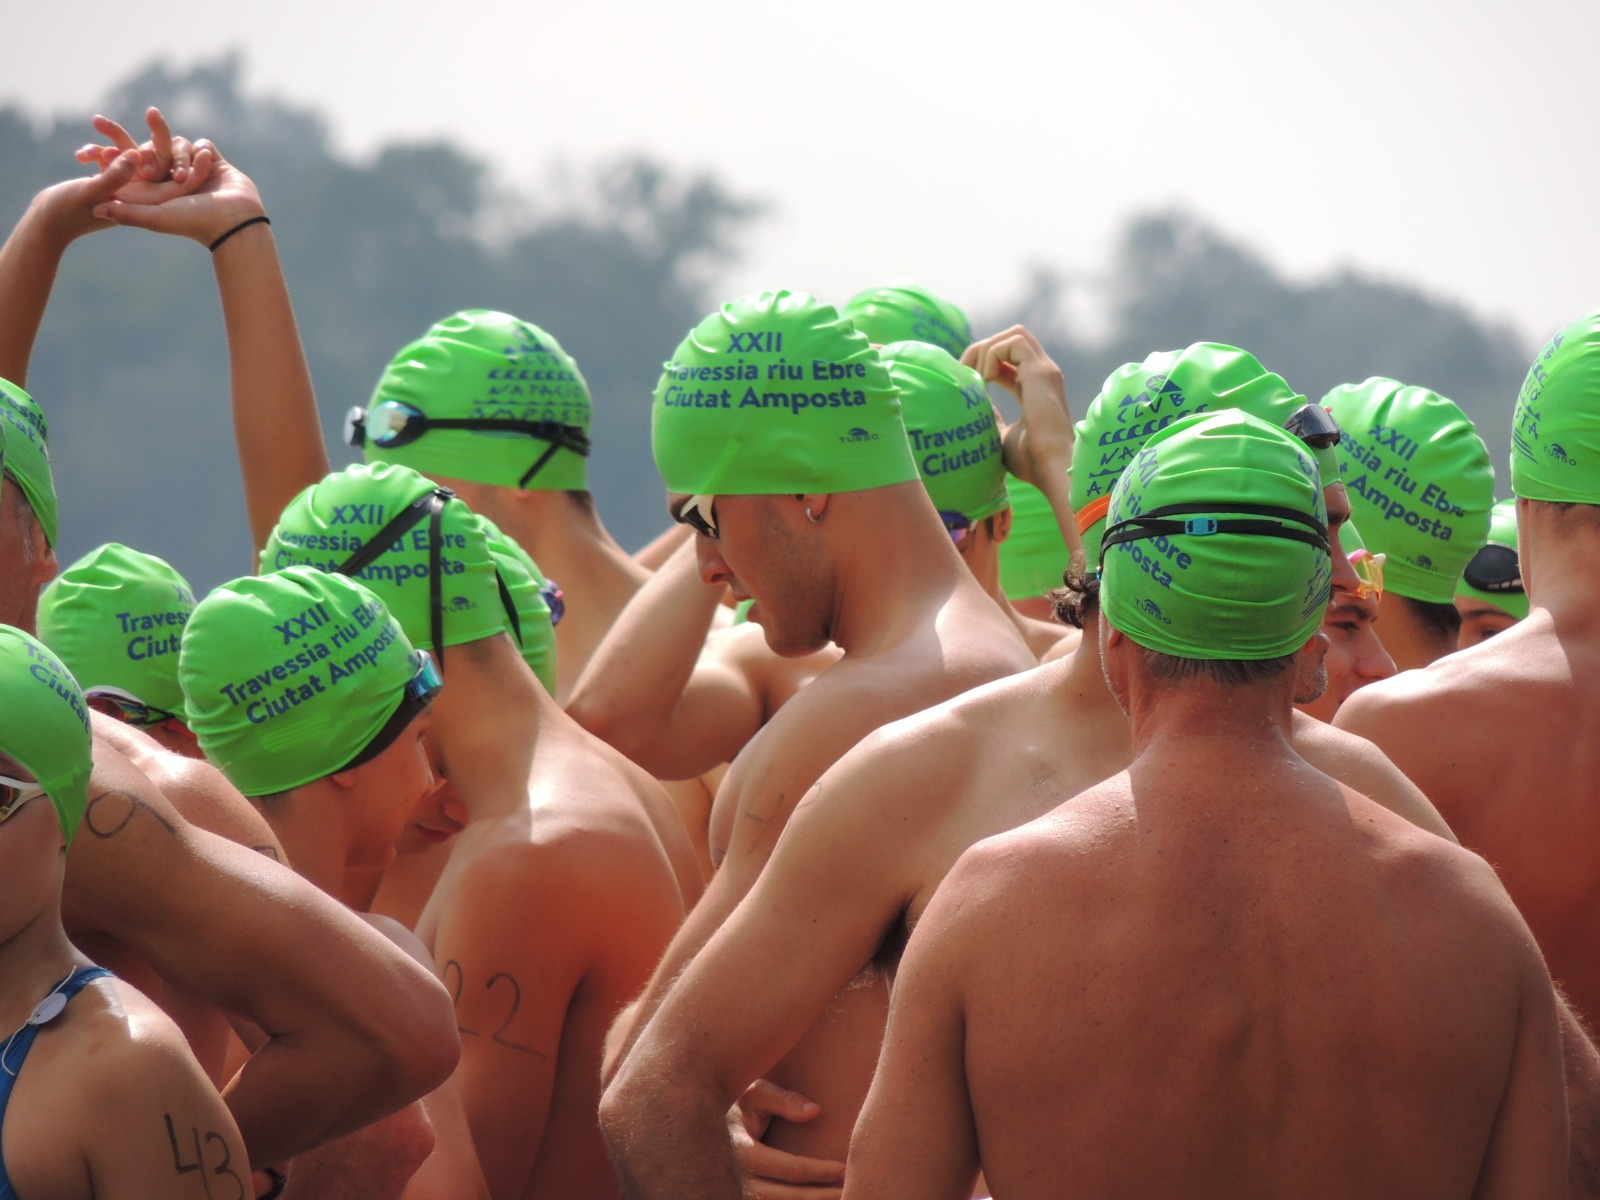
[{"x": 16, "y": 1049}]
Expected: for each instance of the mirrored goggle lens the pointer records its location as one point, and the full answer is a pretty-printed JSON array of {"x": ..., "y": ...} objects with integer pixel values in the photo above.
[
  {"x": 699, "y": 514},
  {"x": 555, "y": 600},
  {"x": 955, "y": 524},
  {"x": 127, "y": 708},
  {"x": 427, "y": 682},
  {"x": 1495, "y": 569},
  {"x": 392, "y": 423},
  {"x": 14, "y": 793}
]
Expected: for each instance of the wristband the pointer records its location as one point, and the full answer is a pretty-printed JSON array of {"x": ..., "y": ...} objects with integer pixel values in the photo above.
[{"x": 261, "y": 220}]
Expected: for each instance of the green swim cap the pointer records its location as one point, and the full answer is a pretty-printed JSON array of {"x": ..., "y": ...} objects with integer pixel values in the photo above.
[
  {"x": 331, "y": 521},
  {"x": 116, "y": 618},
  {"x": 480, "y": 365},
  {"x": 287, "y": 677},
  {"x": 1419, "y": 480},
  {"x": 1208, "y": 550},
  {"x": 904, "y": 312},
  {"x": 525, "y": 584},
  {"x": 47, "y": 724},
  {"x": 1034, "y": 557},
  {"x": 777, "y": 393},
  {"x": 1555, "y": 434},
  {"x": 950, "y": 422},
  {"x": 28, "y": 456},
  {"x": 1138, "y": 400},
  {"x": 1494, "y": 575}
]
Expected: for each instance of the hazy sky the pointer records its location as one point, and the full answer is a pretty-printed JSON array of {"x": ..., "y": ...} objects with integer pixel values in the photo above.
[{"x": 1443, "y": 144}]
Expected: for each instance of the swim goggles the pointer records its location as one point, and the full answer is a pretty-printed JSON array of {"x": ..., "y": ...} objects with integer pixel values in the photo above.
[
  {"x": 419, "y": 693},
  {"x": 390, "y": 424},
  {"x": 1265, "y": 520},
  {"x": 126, "y": 707},
  {"x": 1495, "y": 568},
  {"x": 957, "y": 525},
  {"x": 14, "y": 793},
  {"x": 1369, "y": 570},
  {"x": 1315, "y": 426},
  {"x": 700, "y": 514},
  {"x": 555, "y": 600}
]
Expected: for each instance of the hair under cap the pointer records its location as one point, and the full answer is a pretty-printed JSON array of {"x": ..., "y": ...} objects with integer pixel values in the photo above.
[
  {"x": 950, "y": 421},
  {"x": 1419, "y": 479},
  {"x": 28, "y": 456},
  {"x": 47, "y": 724},
  {"x": 286, "y": 677},
  {"x": 1138, "y": 400},
  {"x": 488, "y": 365},
  {"x": 777, "y": 393},
  {"x": 1555, "y": 433},
  {"x": 907, "y": 312},
  {"x": 116, "y": 618},
  {"x": 1206, "y": 588}
]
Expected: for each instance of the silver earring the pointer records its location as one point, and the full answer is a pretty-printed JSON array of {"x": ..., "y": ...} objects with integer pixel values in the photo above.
[{"x": 815, "y": 520}]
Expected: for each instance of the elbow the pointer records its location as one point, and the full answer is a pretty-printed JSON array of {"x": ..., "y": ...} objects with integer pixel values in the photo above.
[{"x": 414, "y": 1038}]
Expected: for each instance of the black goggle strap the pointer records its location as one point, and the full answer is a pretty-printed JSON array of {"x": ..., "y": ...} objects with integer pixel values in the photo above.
[
  {"x": 1495, "y": 568},
  {"x": 430, "y": 506},
  {"x": 510, "y": 606},
  {"x": 1267, "y": 521},
  {"x": 569, "y": 436}
]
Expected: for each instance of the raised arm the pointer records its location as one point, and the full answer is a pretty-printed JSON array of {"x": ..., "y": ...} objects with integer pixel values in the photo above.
[
  {"x": 355, "y": 1028},
  {"x": 275, "y": 421},
  {"x": 1038, "y": 448},
  {"x": 651, "y": 693}
]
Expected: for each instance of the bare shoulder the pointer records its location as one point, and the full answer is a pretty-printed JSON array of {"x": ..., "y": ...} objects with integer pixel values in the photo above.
[
  {"x": 1465, "y": 682},
  {"x": 1364, "y": 768}
]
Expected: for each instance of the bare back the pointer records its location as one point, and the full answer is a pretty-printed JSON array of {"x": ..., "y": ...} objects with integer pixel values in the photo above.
[{"x": 1500, "y": 738}]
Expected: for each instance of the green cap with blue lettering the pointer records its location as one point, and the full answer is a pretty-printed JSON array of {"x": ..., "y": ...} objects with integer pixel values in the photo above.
[
  {"x": 480, "y": 364},
  {"x": 525, "y": 583},
  {"x": 47, "y": 724},
  {"x": 1419, "y": 479},
  {"x": 28, "y": 456},
  {"x": 950, "y": 421},
  {"x": 329, "y": 522},
  {"x": 777, "y": 393},
  {"x": 287, "y": 677},
  {"x": 1034, "y": 558},
  {"x": 1216, "y": 541},
  {"x": 901, "y": 312},
  {"x": 1138, "y": 400},
  {"x": 116, "y": 618},
  {"x": 1555, "y": 434}
]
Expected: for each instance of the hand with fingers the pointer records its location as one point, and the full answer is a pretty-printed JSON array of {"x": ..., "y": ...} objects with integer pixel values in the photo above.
[
  {"x": 178, "y": 187},
  {"x": 770, "y": 1173},
  {"x": 1038, "y": 448}
]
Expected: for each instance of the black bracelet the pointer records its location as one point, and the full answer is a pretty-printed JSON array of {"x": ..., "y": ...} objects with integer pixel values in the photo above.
[
  {"x": 261, "y": 220},
  {"x": 276, "y": 1177}
]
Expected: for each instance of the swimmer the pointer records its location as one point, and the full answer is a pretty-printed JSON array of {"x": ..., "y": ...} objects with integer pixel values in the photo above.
[
  {"x": 116, "y": 618},
  {"x": 1356, "y": 656},
  {"x": 567, "y": 872},
  {"x": 1490, "y": 596},
  {"x": 868, "y": 845},
  {"x": 1219, "y": 920},
  {"x": 343, "y": 1046},
  {"x": 1497, "y": 734},
  {"x": 99, "y": 1095},
  {"x": 1420, "y": 485}
]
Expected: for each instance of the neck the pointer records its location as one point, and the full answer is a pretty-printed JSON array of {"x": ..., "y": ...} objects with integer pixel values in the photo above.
[
  {"x": 894, "y": 561},
  {"x": 1560, "y": 555},
  {"x": 486, "y": 723},
  {"x": 1250, "y": 722},
  {"x": 1410, "y": 641},
  {"x": 32, "y": 961},
  {"x": 314, "y": 839}
]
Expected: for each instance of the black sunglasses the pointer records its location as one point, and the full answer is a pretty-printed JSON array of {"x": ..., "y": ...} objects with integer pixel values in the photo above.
[{"x": 393, "y": 423}]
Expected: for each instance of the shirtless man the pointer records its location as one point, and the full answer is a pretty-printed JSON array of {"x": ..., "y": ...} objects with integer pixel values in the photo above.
[
  {"x": 648, "y": 694},
  {"x": 1355, "y": 656},
  {"x": 571, "y": 871},
  {"x": 1498, "y": 735},
  {"x": 1225, "y": 973},
  {"x": 343, "y": 1044},
  {"x": 99, "y": 1095},
  {"x": 1421, "y": 486},
  {"x": 868, "y": 846},
  {"x": 1490, "y": 596},
  {"x": 116, "y": 618}
]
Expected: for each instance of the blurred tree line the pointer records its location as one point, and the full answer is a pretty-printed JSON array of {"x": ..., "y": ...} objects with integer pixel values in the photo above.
[{"x": 131, "y": 364}]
